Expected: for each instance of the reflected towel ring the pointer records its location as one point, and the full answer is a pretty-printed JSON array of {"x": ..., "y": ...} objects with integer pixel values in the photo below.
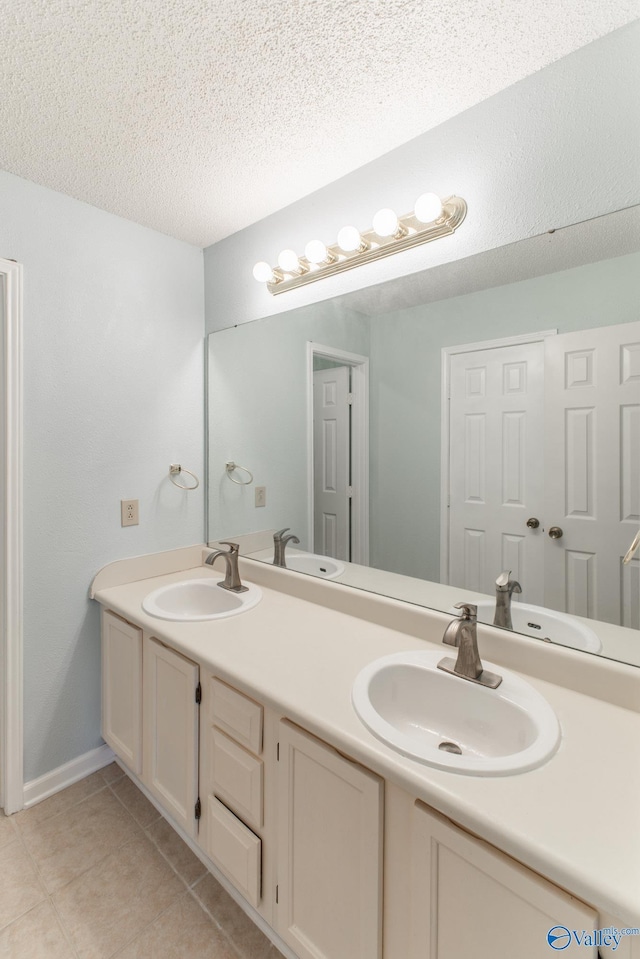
[
  {"x": 632, "y": 549},
  {"x": 231, "y": 466},
  {"x": 174, "y": 469}
]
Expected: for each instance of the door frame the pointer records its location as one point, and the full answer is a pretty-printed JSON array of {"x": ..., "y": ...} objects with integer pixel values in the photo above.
[
  {"x": 11, "y": 586},
  {"x": 447, "y": 352},
  {"x": 359, "y": 445}
]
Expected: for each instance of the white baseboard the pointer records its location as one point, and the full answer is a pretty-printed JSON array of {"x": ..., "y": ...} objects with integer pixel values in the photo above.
[{"x": 71, "y": 772}]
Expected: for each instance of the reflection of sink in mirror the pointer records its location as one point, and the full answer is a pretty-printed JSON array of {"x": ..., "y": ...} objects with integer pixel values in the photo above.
[
  {"x": 199, "y": 599},
  {"x": 546, "y": 624},
  {"x": 316, "y": 565},
  {"x": 448, "y": 722}
]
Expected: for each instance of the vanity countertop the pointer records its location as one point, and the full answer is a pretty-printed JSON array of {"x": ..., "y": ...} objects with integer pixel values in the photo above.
[{"x": 576, "y": 819}]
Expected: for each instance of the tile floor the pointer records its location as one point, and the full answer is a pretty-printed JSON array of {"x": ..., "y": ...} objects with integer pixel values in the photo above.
[{"x": 95, "y": 872}]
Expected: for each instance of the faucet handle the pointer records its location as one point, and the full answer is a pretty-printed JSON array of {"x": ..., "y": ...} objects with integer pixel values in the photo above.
[
  {"x": 503, "y": 579},
  {"x": 469, "y": 612},
  {"x": 233, "y": 547},
  {"x": 280, "y": 533}
]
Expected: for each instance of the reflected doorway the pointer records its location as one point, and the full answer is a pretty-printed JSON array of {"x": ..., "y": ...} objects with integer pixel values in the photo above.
[{"x": 338, "y": 449}]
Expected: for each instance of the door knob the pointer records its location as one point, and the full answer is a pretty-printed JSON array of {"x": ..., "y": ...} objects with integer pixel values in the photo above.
[
  {"x": 555, "y": 532},
  {"x": 533, "y": 523}
]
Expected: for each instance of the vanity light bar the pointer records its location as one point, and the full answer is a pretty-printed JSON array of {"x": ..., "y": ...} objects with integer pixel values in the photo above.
[{"x": 389, "y": 234}]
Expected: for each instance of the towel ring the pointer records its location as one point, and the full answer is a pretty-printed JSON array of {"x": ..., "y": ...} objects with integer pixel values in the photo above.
[
  {"x": 632, "y": 549},
  {"x": 231, "y": 466},
  {"x": 174, "y": 469}
]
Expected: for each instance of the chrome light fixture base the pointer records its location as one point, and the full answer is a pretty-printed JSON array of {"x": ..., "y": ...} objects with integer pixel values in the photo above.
[{"x": 411, "y": 232}]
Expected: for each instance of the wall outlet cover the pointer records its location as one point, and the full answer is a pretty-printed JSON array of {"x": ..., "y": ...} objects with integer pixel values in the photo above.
[{"x": 129, "y": 512}]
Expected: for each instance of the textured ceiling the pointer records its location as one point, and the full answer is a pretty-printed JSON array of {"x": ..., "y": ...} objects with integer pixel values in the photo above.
[{"x": 199, "y": 117}]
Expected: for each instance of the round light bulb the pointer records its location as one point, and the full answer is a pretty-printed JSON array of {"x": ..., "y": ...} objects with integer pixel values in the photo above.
[
  {"x": 349, "y": 239},
  {"x": 289, "y": 262},
  {"x": 262, "y": 272},
  {"x": 316, "y": 251},
  {"x": 385, "y": 222},
  {"x": 428, "y": 207}
]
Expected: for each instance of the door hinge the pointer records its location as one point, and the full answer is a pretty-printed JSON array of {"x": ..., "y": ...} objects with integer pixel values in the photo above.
[
  {"x": 350, "y": 399},
  {"x": 276, "y": 895},
  {"x": 277, "y": 752},
  {"x": 199, "y": 693},
  {"x": 198, "y": 809},
  {"x": 349, "y": 491}
]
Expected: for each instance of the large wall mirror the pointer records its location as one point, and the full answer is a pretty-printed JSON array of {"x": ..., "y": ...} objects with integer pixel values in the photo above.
[{"x": 422, "y": 437}]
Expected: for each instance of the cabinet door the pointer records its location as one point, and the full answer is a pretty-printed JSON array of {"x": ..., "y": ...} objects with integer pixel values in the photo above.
[
  {"x": 330, "y": 851},
  {"x": 170, "y": 768},
  {"x": 122, "y": 689},
  {"x": 469, "y": 899}
]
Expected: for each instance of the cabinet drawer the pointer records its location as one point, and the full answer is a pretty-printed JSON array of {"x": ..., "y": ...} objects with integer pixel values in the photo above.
[
  {"x": 235, "y": 849},
  {"x": 237, "y": 715},
  {"x": 237, "y": 778}
]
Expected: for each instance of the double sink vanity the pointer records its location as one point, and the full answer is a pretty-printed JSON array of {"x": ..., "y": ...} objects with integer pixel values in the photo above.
[{"x": 356, "y": 799}]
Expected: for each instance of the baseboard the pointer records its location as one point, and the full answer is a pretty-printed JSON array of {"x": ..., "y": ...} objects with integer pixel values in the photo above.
[{"x": 71, "y": 772}]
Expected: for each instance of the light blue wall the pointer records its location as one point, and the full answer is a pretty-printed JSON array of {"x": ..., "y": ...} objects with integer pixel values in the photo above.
[
  {"x": 406, "y": 389},
  {"x": 258, "y": 415},
  {"x": 113, "y": 387},
  {"x": 559, "y": 147}
]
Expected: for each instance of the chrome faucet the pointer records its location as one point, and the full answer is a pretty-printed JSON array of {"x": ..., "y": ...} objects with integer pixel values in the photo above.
[
  {"x": 462, "y": 632},
  {"x": 232, "y": 578},
  {"x": 279, "y": 543},
  {"x": 505, "y": 587}
]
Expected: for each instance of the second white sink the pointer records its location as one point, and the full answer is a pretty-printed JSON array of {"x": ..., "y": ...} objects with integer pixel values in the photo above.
[
  {"x": 199, "y": 599},
  {"x": 451, "y": 723},
  {"x": 546, "y": 624}
]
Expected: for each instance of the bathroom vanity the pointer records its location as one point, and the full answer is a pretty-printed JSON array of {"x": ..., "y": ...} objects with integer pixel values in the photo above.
[{"x": 242, "y": 732}]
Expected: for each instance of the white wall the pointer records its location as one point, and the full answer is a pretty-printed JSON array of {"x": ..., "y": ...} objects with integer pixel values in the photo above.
[
  {"x": 559, "y": 147},
  {"x": 113, "y": 387}
]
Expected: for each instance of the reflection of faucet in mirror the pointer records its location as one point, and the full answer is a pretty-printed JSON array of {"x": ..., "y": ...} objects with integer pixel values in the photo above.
[
  {"x": 232, "y": 579},
  {"x": 279, "y": 544},
  {"x": 462, "y": 632},
  {"x": 505, "y": 587}
]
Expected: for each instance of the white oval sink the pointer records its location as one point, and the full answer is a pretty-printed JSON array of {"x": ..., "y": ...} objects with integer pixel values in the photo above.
[
  {"x": 546, "y": 624},
  {"x": 199, "y": 599},
  {"x": 323, "y": 566},
  {"x": 423, "y": 712}
]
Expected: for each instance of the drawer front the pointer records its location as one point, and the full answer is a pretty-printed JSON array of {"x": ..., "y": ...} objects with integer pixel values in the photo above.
[
  {"x": 235, "y": 849},
  {"x": 237, "y": 778},
  {"x": 237, "y": 715}
]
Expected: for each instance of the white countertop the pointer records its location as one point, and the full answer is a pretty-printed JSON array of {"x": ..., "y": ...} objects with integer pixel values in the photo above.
[{"x": 576, "y": 819}]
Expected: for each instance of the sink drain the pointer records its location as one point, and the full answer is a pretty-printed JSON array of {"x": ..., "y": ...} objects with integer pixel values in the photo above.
[{"x": 450, "y": 748}]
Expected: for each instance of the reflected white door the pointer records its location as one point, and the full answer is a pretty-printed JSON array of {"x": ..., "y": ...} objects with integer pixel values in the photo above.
[
  {"x": 496, "y": 468},
  {"x": 592, "y": 426},
  {"x": 331, "y": 443}
]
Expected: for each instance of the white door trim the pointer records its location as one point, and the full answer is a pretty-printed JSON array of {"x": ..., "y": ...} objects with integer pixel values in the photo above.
[
  {"x": 359, "y": 446},
  {"x": 447, "y": 352},
  {"x": 11, "y": 715}
]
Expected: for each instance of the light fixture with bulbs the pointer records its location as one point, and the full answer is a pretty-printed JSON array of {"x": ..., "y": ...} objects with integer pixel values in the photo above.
[{"x": 430, "y": 219}]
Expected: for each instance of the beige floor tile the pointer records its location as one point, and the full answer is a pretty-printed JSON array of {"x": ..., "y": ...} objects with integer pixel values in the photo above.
[
  {"x": 73, "y": 841},
  {"x": 60, "y": 802},
  {"x": 182, "y": 932},
  {"x": 186, "y": 864},
  {"x": 249, "y": 941},
  {"x": 36, "y": 935},
  {"x": 7, "y": 830},
  {"x": 111, "y": 773},
  {"x": 138, "y": 805},
  {"x": 115, "y": 901},
  {"x": 20, "y": 888}
]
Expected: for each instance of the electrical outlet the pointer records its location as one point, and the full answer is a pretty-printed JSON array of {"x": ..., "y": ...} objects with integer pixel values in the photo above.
[
  {"x": 261, "y": 495},
  {"x": 129, "y": 512}
]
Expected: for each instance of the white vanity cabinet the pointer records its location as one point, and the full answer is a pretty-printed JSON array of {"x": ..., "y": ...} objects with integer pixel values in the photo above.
[
  {"x": 469, "y": 899},
  {"x": 330, "y": 813},
  {"x": 122, "y": 689},
  {"x": 171, "y": 717}
]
